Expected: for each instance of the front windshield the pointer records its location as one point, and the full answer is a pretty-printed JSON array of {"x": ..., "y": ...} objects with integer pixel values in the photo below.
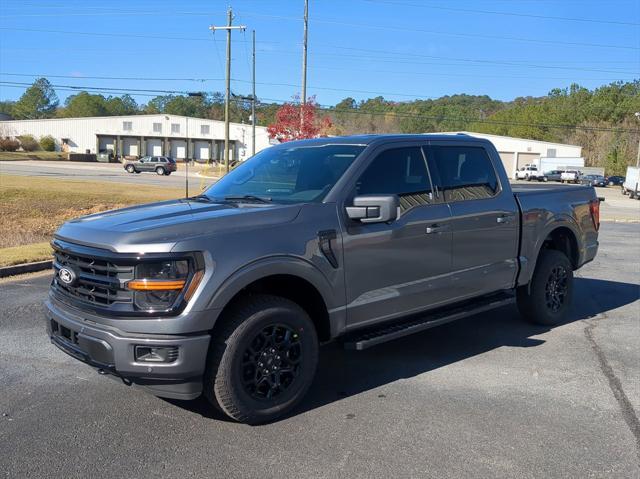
[{"x": 296, "y": 174}]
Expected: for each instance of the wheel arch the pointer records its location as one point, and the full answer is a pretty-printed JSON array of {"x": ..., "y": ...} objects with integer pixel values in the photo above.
[{"x": 294, "y": 279}]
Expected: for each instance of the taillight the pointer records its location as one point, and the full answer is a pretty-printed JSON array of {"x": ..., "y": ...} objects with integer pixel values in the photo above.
[{"x": 594, "y": 209}]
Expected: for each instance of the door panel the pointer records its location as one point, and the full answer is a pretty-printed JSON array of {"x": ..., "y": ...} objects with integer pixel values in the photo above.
[
  {"x": 484, "y": 219},
  {"x": 396, "y": 268},
  {"x": 484, "y": 250}
]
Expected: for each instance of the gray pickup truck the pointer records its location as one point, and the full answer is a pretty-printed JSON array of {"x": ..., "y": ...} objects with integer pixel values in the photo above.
[{"x": 364, "y": 239}]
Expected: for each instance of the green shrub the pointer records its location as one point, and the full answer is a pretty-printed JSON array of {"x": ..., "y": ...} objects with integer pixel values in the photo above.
[
  {"x": 48, "y": 143},
  {"x": 9, "y": 144},
  {"x": 28, "y": 143}
]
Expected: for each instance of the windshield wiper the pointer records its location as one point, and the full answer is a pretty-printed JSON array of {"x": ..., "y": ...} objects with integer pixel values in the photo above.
[
  {"x": 200, "y": 198},
  {"x": 259, "y": 199}
]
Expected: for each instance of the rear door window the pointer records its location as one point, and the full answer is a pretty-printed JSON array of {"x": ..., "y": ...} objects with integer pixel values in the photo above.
[
  {"x": 465, "y": 172},
  {"x": 398, "y": 171}
]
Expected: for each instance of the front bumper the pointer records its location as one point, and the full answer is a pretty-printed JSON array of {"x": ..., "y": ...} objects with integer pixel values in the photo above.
[{"x": 112, "y": 351}]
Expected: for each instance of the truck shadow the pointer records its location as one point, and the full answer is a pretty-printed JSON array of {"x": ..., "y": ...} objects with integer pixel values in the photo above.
[{"x": 342, "y": 373}]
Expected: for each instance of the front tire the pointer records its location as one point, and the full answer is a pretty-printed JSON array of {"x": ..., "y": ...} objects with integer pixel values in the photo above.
[
  {"x": 130, "y": 169},
  {"x": 262, "y": 359},
  {"x": 547, "y": 299}
]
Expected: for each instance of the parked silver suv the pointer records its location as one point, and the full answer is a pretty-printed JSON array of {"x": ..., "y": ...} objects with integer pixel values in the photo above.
[{"x": 161, "y": 165}]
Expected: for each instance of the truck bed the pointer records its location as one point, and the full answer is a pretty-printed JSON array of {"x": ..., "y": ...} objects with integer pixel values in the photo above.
[
  {"x": 542, "y": 207},
  {"x": 535, "y": 188}
]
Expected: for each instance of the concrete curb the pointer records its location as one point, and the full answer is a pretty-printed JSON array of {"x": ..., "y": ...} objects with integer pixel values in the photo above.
[{"x": 25, "y": 268}]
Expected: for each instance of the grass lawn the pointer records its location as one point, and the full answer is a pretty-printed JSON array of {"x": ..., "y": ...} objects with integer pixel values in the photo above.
[
  {"x": 32, "y": 208},
  {"x": 32, "y": 155},
  {"x": 25, "y": 254}
]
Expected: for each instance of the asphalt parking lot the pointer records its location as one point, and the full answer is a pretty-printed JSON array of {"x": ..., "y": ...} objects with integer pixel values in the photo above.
[
  {"x": 103, "y": 172},
  {"x": 488, "y": 396}
]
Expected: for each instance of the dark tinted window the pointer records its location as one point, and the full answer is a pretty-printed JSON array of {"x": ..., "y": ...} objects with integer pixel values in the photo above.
[
  {"x": 399, "y": 171},
  {"x": 466, "y": 173},
  {"x": 154, "y": 159},
  {"x": 289, "y": 174}
]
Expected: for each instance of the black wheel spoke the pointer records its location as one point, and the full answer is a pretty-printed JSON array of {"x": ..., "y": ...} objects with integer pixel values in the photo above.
[{"x": 271, "y": 362}]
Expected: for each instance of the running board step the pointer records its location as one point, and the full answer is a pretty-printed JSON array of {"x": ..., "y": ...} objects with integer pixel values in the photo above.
[{"x": 389, "y": 332}]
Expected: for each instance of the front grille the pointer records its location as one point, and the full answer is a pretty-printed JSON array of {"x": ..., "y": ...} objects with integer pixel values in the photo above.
[{"x": 99, "y": 282}]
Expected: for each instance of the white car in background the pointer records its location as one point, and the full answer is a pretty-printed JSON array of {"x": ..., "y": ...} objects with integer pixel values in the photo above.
[
  {"x": 530, "y": 172},
  {"x": 570, "y": 176}
]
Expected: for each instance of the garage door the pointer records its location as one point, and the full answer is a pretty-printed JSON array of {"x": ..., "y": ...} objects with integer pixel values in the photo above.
[
  {"x": 130, "y": 147},
  {"x": 201, "y": 150},
  {"x": 527, "y": 158},
  {"x": 107, "y": 143},
  {"x": 154, "y": 147},
  {"x": 178, "y": 149},
  {"x": 508, "y": 159}
]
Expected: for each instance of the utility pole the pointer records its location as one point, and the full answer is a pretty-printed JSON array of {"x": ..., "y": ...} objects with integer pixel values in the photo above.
[
  {"x": 228, "y": 28},
  {"x": 253, "y": 101},
  {"x": 304, "y": 53}
]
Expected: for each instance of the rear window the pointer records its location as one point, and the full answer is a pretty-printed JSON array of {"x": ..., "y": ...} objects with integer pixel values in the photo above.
[{"x": 466, "y": 173}]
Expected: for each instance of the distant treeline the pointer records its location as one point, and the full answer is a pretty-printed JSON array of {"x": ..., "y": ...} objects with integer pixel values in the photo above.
[{"x": 602, "y": 120}]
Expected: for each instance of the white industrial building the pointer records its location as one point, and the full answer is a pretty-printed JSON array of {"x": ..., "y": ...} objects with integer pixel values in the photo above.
[
  {"x": 517, "y": 152},
  {"x": 140, "y": 135}
]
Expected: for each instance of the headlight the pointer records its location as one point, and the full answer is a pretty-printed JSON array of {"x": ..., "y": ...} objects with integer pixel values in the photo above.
[{"x": 158, "y": 286}]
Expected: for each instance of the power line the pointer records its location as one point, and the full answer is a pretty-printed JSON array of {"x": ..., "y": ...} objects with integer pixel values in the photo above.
[
  {"x": 335, "y": 22},
  {"x": 331, "y": 109},
  {"x": 465, "y": 60},
  {"x": 437, "y": 32},
  {"x": 510, "y": 14},
  {"x": 205, "y": 80},
  {"x": 119, "y": 12}
]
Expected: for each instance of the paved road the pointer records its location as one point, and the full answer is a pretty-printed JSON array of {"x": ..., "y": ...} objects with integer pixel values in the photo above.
[
  {"x": 489, "y": 396},
  {"x": 98, "y": 172}
]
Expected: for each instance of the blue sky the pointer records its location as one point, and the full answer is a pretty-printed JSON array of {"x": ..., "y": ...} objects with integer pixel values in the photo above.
[{"x": 400, "y": 49}]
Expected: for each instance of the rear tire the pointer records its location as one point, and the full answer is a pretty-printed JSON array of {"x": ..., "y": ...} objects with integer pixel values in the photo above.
[
  {"x": 547, "y": 299},
  {"x": 160, "y": 171},
  {"x": 262, "y": 359}
]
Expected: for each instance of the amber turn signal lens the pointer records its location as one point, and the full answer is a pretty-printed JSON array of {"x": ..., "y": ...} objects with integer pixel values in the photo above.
[
  {"x": 195, "y": 281},
  {"x": 156, "y": 284}
]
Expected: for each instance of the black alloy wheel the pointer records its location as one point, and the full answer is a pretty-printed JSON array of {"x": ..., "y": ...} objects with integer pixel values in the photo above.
[
  {"x": 556, "y": 288},
  {"x": 272, "y": 361}
]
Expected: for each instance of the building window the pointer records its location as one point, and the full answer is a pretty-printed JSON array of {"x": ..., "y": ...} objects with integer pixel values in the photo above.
[
  {"x": 204, "y": 129},
  {"x": 157, "y": 127},
  {"x": 551, "y": 152},
  {"x": 127, "y": 125},
  {"x": 175, "y": 127}
]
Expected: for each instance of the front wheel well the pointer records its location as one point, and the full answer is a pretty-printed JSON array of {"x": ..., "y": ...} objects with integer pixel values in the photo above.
[
  {"x": 295, "y": 289},
  {"x": 564, "y": 240}
]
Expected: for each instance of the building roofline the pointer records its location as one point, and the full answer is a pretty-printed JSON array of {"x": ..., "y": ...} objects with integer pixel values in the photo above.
[
  {"x": 472, "y": 133},
  {"x": 127, "y": 117}
]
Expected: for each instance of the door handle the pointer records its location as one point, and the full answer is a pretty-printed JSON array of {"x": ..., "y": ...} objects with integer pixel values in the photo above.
[
  {"x": 436, "y": 228},
  {"x": 504, "y": 219}
]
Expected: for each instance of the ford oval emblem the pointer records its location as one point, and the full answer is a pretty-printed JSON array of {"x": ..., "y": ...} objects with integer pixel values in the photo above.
[{"x": 67, "y": 276}]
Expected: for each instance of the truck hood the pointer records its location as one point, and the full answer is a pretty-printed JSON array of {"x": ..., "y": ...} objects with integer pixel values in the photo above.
[{"x": 157, "y": 227}]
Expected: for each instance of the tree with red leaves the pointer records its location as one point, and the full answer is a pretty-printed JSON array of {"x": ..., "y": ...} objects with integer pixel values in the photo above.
[{"x": 295, "y": 121}]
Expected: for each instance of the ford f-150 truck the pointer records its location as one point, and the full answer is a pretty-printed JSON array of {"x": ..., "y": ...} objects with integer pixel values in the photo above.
[{"x": 364, "y": 239}]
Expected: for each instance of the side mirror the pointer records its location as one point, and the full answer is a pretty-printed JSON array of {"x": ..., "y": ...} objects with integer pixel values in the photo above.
[{"x": 374, "y": 208}]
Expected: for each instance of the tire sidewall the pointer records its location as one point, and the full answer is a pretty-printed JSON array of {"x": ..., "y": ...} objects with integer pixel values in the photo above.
[
  {"x": 549, "y": 261},
  {"x": 130, "y": 169},
  {"x": 160, "y": 170},
  {"x": 256, "y": 410}
]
